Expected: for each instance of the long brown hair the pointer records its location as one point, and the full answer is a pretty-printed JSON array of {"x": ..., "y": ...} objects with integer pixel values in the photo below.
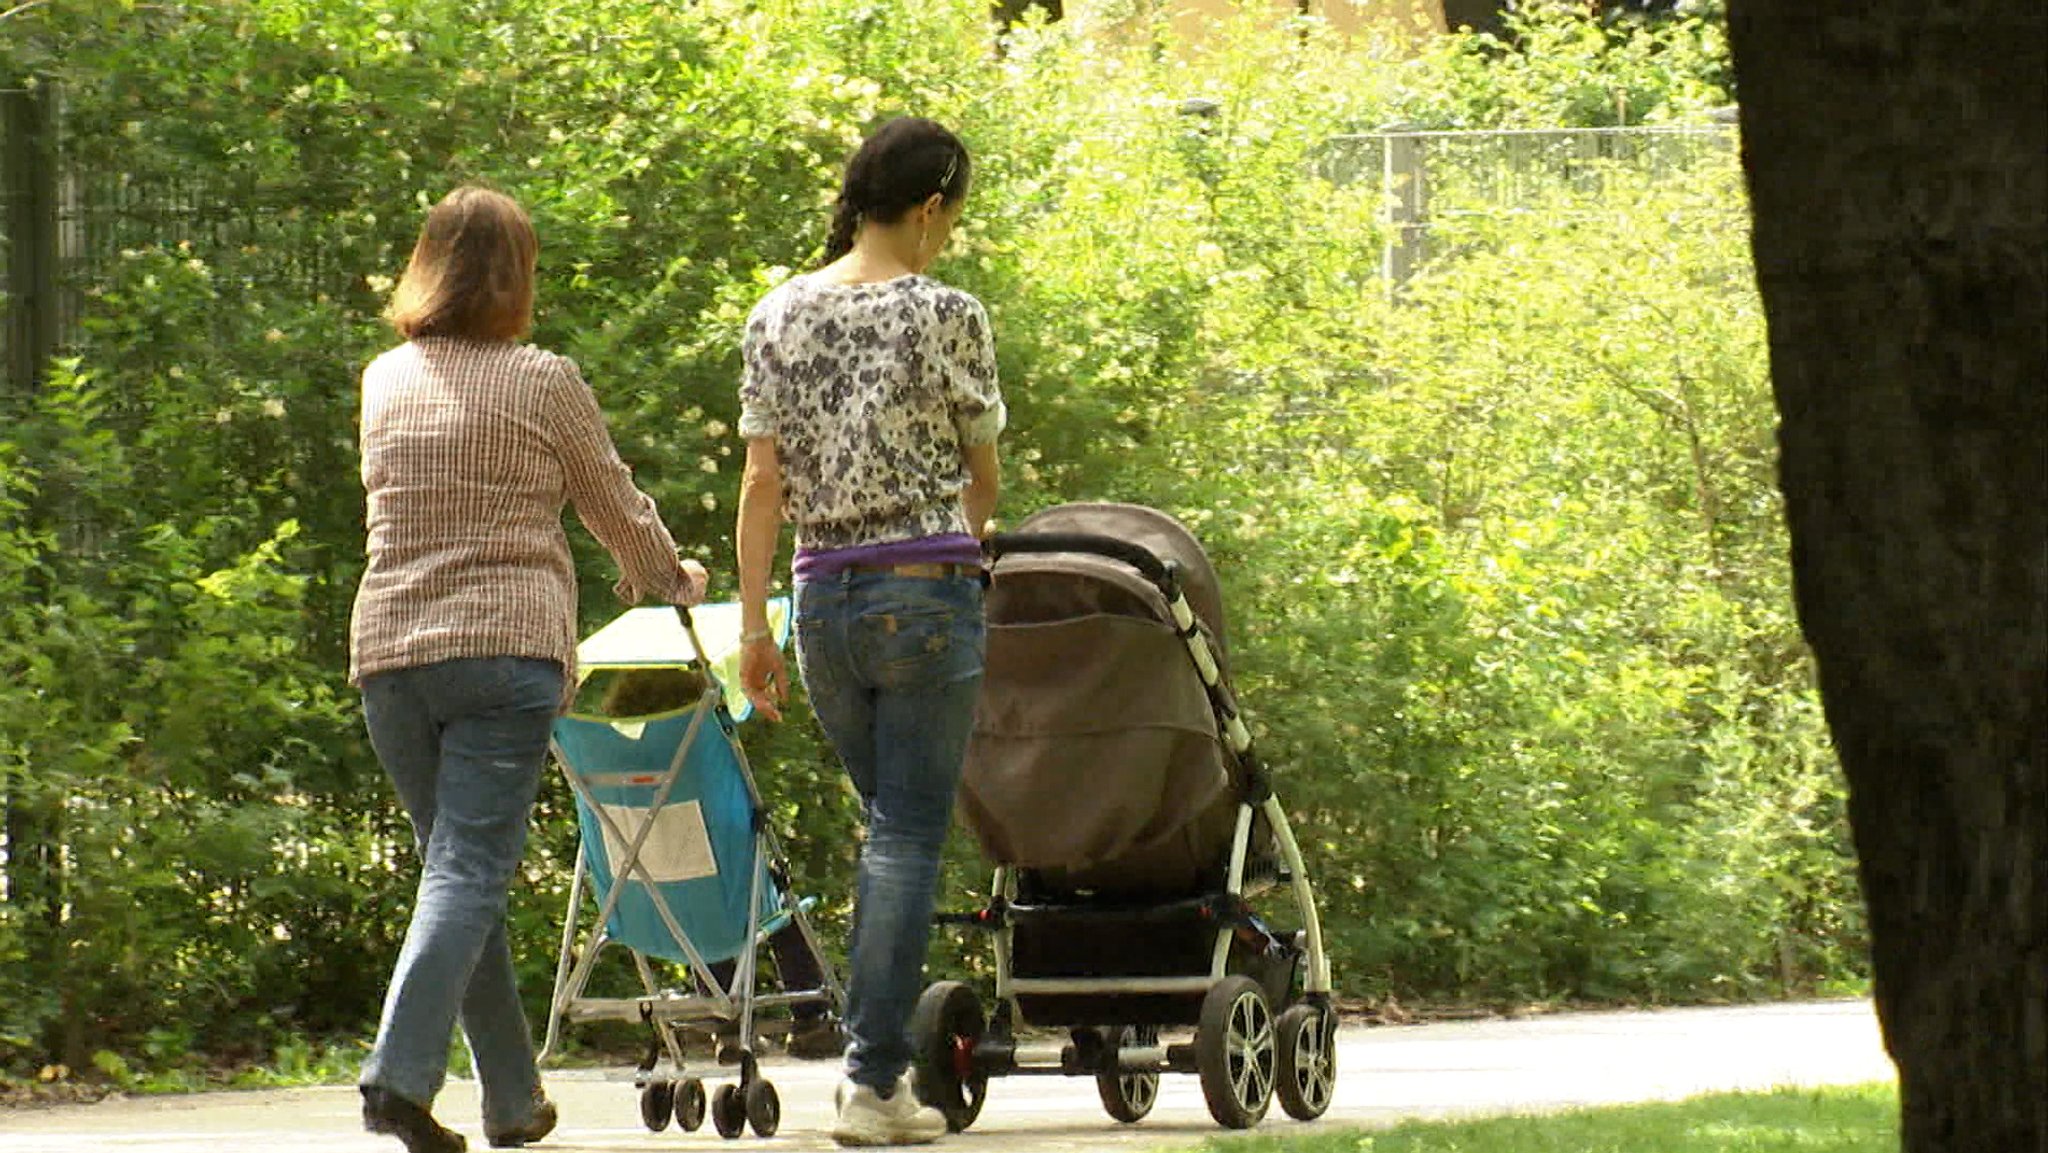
[{"x": 471, "y": 273}]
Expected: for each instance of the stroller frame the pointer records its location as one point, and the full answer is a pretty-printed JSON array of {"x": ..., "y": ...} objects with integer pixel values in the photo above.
[
  {"x": 666, "y": 1011},
  {"x": 958, "y": 1050}
]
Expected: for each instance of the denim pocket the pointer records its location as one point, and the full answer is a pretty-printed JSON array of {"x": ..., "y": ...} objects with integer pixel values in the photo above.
[
  {"x": 815, "y": 606},
  {"x": 913, "y": 633},
  {"x": 515, "y": 684}
]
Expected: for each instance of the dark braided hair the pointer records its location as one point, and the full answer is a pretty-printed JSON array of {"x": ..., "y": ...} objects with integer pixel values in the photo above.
[{"x": 898, "y": 167}]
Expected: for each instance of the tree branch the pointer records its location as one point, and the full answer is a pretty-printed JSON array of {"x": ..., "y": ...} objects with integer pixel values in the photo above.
[{"x": 18, "y": 9}]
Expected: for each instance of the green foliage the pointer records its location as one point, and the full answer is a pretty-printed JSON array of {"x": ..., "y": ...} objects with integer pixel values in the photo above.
[
  {"x": 160, "y": 697},
  {"x": 1536, "y": 611},
  {"x": 1504, "y": 560},
  {"x": 1556, "y": 66},
  {"x": 1857, "y": 1119}
]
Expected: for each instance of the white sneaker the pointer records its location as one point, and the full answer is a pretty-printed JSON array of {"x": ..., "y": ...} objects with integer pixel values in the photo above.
[{"x": 867, "y": 1118}]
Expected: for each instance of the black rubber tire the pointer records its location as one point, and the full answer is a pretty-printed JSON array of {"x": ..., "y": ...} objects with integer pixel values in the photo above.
[
  {"x": 728, "y": 1111},
  {"x": 1128, "y": 1097},
  {"x": 657, "y": 1103},
  {"x": 764, "y": 1108},
  {"x": 691, "y": 1105},
  {"x": 948, "y": 1016},
  {"x": 1234, "y": 1052},
  {"x": 1305, "y": 1070}
]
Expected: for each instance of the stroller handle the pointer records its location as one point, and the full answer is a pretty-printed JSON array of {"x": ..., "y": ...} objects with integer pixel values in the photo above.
[
  {"x": 698, "y": 659},
  {"x": 1136, "y": 556}
]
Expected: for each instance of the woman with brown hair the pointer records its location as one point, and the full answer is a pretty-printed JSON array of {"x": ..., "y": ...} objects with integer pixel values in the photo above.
[{"x": 464, "y": 636}]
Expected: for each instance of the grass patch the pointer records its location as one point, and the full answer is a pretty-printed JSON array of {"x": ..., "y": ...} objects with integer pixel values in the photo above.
[{"x": 1855, "y": 1119}]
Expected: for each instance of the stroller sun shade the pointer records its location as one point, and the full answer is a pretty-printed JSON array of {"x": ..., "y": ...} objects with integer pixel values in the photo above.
[
  {"x": 1095, "y": 746},
  {"x": 652, "y": 637}
]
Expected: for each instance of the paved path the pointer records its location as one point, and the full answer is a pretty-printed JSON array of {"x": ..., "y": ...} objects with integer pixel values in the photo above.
[{"x": 1383, "y": 1075}]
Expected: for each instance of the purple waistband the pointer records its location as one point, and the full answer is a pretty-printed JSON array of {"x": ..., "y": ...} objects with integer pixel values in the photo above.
[{"x": 952, "y": 548}]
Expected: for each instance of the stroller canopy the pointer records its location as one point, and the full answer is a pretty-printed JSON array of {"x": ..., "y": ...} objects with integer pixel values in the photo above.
[
  {"x": 1160, "y": 534},
  {"x": 1095, "y": 748},
  {"x": 652, "y": 637}
]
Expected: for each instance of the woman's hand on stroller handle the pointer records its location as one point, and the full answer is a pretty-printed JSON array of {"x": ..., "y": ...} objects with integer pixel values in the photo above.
[
  {"x": 696, "y": 580},
  {"x": 764, "y": 677}
]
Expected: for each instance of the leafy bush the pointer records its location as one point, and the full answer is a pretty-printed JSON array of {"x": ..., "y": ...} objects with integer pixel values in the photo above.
[{"x": 1503, "y": 558}]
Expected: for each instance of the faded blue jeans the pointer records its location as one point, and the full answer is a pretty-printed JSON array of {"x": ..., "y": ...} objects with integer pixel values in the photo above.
[
  {"x": 463, "y": 741},
  {"x": 892, "y": 665}
]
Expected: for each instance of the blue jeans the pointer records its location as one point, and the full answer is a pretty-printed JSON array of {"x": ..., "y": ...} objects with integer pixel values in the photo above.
[
  {"x": 892, "y": 665},
  {"x": 463, "y": 742}
]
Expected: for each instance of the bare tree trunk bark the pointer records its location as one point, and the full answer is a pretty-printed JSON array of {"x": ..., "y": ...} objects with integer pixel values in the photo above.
[
  {"x": 1478, "y": 15},
  {"x": 1007, "y": 13},
  {"x": 1898, "y": 170}
]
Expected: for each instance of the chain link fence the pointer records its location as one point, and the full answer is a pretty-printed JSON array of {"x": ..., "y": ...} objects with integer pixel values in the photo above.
[
  {"x": 64, "y": 222},
  {"x": 69, "y": 216},
  {"x": 1439, "y": 175}
]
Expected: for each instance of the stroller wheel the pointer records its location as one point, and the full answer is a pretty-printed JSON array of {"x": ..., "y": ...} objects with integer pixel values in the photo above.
[
  {"x": 1307, "y": 1067},
  {"x": 945, "y": 1028},
  {"x": 1234, "y": 1052},
  {"x": 728, "y": 1111},
  {"x": 764, "y": 1108},
  {"x": 690, "y": 1105},
  {"x": 1129, "y": 1096},
  {"x": 657, "y": 1102}
]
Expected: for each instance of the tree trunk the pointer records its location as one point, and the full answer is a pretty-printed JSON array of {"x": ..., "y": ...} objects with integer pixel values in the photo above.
[
  {"x": 1008, "y": 13},
  {"x": 1478, "y": 15},
  {"x": 1898, "y": 171}
]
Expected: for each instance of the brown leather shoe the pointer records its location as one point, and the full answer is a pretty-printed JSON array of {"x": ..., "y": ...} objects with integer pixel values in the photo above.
[
  {"x": 387, "y": 1113},
  {"x": 538, "y": 1126},
  {"x": 815, "y": 1039}
]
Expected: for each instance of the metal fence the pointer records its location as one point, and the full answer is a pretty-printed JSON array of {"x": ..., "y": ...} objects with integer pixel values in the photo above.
[
  {"x": 1426, "y": 176},
  {"x": 64, "y": 222},
  {"x": 28, "y": 236},
  {"x": 67, "y": 219}
]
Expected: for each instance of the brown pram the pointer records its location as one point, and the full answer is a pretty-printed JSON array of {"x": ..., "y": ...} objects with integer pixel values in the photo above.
[{"x": 1113, "y": 784}]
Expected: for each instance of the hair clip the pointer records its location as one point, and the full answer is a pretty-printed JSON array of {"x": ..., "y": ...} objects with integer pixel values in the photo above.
[{"x": 952, "y": 166}]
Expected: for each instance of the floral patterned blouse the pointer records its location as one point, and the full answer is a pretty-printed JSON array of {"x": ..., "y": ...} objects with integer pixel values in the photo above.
[{"x": 870, "y": 391}]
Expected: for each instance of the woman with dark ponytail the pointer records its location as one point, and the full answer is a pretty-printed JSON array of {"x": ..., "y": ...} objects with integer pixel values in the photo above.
[
  {"x": 845, "y": 222},
  {"x": 870, "y": 411}
]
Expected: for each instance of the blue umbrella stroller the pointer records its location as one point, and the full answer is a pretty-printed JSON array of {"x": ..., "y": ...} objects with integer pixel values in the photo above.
[{"x": 677, "y": 862}]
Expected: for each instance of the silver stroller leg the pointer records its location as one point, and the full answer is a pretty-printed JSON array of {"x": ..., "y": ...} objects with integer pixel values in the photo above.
[
  {"x": 563, "y": 965},
  {"x": 661, "y": 1029},
  {"x": 1318, "y": 977}
]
